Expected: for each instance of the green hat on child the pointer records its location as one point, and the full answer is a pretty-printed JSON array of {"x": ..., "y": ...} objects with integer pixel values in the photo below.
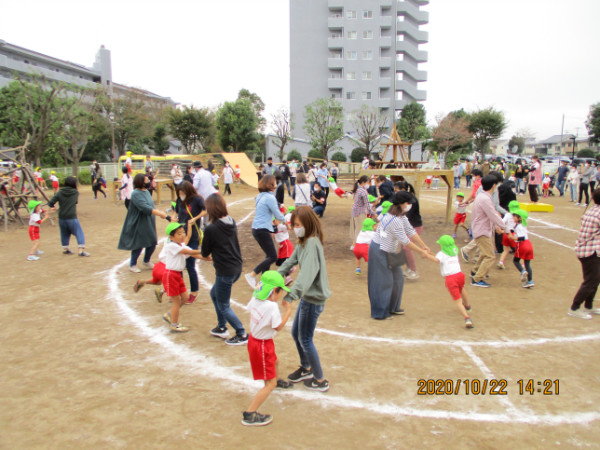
[
  {"x": 523, "y": 215},
  {"x": 371, "y": 198},
  {"x": 269, "y": 281},
  {"x": 514, "y": 206},
  {"x": 291, "y": 208},
  {"x": 368, "y": 224},
  {"x": 172, "y": 227},
  {"x": 32, "y": 205},
  {"x": 448, "y": 245},
  {"x": 460, "y": 194},
  {"x": 385, "y": 206},
  {"x": 331, "y": 180}
]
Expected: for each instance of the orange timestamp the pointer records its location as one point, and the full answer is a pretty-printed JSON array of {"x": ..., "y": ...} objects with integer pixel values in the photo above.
[{"x": 492, "y": 386}]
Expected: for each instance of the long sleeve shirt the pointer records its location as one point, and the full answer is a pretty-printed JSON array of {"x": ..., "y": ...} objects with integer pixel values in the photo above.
[
  {"x": 266, "y": 209},
  {"x": 588, "y": 241},
  {"x": 484, "y": 216}
]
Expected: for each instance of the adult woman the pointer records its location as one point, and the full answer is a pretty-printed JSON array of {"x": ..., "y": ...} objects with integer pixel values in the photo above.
[
  {"x": 535, "y": 178},
  {"x": 519, "y": 177},
  {"x": 385, "y": 279},
  {"x": 360, "y": 208},
  {"x": 302, "y": 191},
  {"x": 139, "y": 229},
  {"x": 323, "y": 177},
  {"x": 312, "y": 176},
  {"x": 593, "y": 176},
  {"x": 221, "y": 242},
  {"x": 414, "y": 218},
  {"x": 227, "y": 178},
  {"x": 584, "y": 182},
  {"x": 189, "y": 205},
  {"x": 262, "y": 226},
  {"x": 468, "y": 176},
  {"x": 189, "y": 175},
  {"x": 572, "y": 180}
]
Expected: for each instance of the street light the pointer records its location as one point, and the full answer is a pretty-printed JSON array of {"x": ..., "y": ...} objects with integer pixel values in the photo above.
[{"x": 111, "y": 118}]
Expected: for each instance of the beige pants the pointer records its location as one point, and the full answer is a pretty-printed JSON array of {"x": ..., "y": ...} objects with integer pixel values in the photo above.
[
  {"x": 486, "y": 259},
  {"x": 356, "y": 226}
]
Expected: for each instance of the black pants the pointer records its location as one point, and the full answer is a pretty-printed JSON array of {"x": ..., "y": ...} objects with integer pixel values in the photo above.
[
  {"x": 583, "y": 187},
  {"x": 590, "y": 267},
  {"x": 264, "y": 238},
  {"x": 127, "y": 203},
  {"x": 227, "y": 189},
  {"x": 592, "y": 186},
  {"x": 533, "y": 195},
  {"x": 527, "y": 262},
  {"x": 498, "y": 242}
]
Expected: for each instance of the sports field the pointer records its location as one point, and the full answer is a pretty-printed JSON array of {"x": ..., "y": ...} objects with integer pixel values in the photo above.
[{"x": 89, "y": 364}]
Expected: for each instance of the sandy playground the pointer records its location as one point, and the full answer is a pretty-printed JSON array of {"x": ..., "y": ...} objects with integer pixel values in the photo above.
[{"x": 89, "y": 364}]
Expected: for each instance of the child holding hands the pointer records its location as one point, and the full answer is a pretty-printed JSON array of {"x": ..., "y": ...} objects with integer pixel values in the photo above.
[{"x": 36, "y": 218}]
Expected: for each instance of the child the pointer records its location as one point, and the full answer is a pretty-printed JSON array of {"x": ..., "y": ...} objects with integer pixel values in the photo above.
[
  {"x": 36, "y": 218},
  {"x": 372, "y": 203},
  {"x": 319, "y": 199},
  {"x": 455, "y": 279},
  {"x": 508, "y": 220},
  {"x": 265, "y": 322},
  {"x": 383, "y": 209},
  {"x": 54, "y": 180},
  {"x": 128, "y": 162},
  {"x": 175, "y": 253},
  {"x": 461, "y": 214},
  {"x": 363, "y": 240},
  {"x": 39, "y": 178},
  {"x": 97, "y": 187},
  {"x": 285, "y": 246},
  {"x": 546, "y": 185},
  {"x": 238, "y": 173},
  {"x": 338, "y": 191},
  {"x": 215, "y": 177},
  {"x": 524, "y": 248},
  {"x": 126, "y": 188}
]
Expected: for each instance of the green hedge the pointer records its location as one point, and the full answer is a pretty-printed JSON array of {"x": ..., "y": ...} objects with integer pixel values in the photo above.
[{"x": 339, "y": 156}]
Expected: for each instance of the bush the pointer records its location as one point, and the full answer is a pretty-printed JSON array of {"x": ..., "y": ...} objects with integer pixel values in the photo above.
[
  {"x": 339, "y": 156},
  {"x": 358, "y": 154},
  {"x": 294, "y": 154},
  {"x": 586, "y": 153},
  {"x": 84, "y": 177},
  {"x": 314, "y": 153}
]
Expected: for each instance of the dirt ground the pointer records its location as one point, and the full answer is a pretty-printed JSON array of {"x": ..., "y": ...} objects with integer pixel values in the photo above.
[{"x": 89, "y": 364}]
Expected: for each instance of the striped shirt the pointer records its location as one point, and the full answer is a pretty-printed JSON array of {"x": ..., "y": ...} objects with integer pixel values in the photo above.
[
  {"x": 588, "y": 241},
  {"x": 361, "y": 203},
  {"x": 393, "y": 230}
]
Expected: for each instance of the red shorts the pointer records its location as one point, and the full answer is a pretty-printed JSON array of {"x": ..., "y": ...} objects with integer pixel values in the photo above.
[
  {"x": 455, "y": 284},
  {"x": 524, "y": 250},
  {"x": 237, "y": 175},
  {"x": 460, "y": 218},
  {"x": 262, "y": 358},
  {"x": 55, "y": 184},
  {"x": 157, "y": 272},
  {"x": 286, "y": 248},
  {"x": 507, "y": 242},
  {"x": 173, "y": 283},
  {"x": 428, "y": 181},
  {"x": 546, "y": 186},
  {"x": 40, "y": 180},
  {"x": 339, "y": 192},
  {"x": 361, "y": 251},
  {"x": 34, "y": 232}
]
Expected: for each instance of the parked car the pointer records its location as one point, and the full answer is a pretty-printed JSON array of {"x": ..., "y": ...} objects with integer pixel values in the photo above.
[{"x": 579, "y": 161}]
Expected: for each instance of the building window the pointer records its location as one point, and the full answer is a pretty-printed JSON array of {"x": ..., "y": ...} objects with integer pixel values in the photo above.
[
  {"x": 367, "y": 55},
  {"x": 366, "y": 96},
  {"x": 350, "y": 95},
  {"x": 352, "y": 55},
  {"x": 366, "y": 75},
  {"x": 367, "y": 14},
  {"x": 351, "y": 76},
  {"x": 367, "y": 34},
  {"x": 350, "y": 14},
  {"x": 351, "y": 35}
]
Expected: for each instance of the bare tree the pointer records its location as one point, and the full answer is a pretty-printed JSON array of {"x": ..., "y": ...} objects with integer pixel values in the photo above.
[
  {"x": 369, "y": 123},
  {"x": 282, "y": 125}
]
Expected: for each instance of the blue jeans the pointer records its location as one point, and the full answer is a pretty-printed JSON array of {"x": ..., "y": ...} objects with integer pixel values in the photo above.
[
  {"x": 303, "y": 330},
  {"x": 468, "y": 178},
  {"x": 70, "y": 227},
  {"x": 319, "y": 210},
  {"x": 190, "y": 266},
  {"x": 135, "y": 254},
  {"x": 456, "y": 182},
  {"x": 220, "y": 295},
  {"x": 561, "y": 187},
  {"x": 573, "y": 191},
  {"x": 287, "y": 183},
  {"x": 312, "y": 186}
]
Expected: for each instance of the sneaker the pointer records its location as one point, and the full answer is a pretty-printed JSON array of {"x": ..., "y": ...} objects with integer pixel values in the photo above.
[
  {"x": 84, "y": 253},
  {"x": 300, "y": 374},
  {"x": 577, "y": 204},
  {"x": 524, "y": 276},
  {"x": 468, "y": 323},
  {"x": 487, "y": 277},
  {"x": 580, "y": 314},
  {"x": 148, "y": 265},
  {"x": 158, "y": 293},
  {"x": 39, "y": 252},
  {"x": 594, "y": 311},
  {"x": 250, "y": 280},
  {"x": 191, "y": 299},
  {"x": 32, "y": 258},
  {"x": 464, "y": 255},
  {"x": 313, "y": 384},
  {"x": 453, "y": 235},
  {"x": 470, "y": 234},
  {"x": 282, "y": 384},
  {"x": 400, "y": 312},
  {"x": 529, "y": 284},
  {"x": 358, "y": 271},
  {"x": 237, "y": 340},
  {"x": 500, "y": 265},
  {"x": 223, "y": 333},
  {"x": 67, "y": 252},
  {"x": 352, "y": 247},
  {"x": 138, "y": 285},
  {"x": 255, "y": 419},
  {"x": 468, "y": 309},
  {"x": 178, "y": 328},
  {"x": 411, "y": 274},
  {"x": 167, "y": 318},
  {"x": 481, "y": 283}
]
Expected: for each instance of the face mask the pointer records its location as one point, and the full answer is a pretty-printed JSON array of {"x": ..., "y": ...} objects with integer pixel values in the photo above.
[
  {"x": 182, "y": 197},
  {"x": 270, "y": 164},
  {"x": 148, "y": 185},
  {"x": 226, "y": 165},
  {"x": 299, "y": 231},
  {"x": 407, "y": 208}
]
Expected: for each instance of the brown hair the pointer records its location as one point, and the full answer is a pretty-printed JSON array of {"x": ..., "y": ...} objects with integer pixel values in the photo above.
[
  {"x": 301, "y": 178},
  {"x": 188, "y": 189},
  {"x": 266, "y": 183},
  {"x": 215, "y": 207},
  {"x": 139, "y": 181},
  {"x": 311, "y": 223}
]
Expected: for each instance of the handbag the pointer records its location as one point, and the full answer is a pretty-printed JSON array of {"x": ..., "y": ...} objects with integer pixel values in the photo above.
[{"x": 395, "y": 259}]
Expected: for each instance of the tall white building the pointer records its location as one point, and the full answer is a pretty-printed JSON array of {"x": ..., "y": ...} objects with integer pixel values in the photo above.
[{"x": 356, "y": 51}]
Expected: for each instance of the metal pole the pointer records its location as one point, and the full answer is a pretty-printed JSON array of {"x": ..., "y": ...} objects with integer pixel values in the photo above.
[{"x": 112, "y": 129}]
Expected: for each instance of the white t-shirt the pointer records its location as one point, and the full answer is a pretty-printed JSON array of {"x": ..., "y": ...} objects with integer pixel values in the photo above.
[
  {"x": 333, "y": 185},
  {"x": 365, "y": 164},
  {"x": 126, "y": 193},
  {"x": 365, "y": 237},
  {"x": 449, "y": 265},
  {"x": 34, "y": 220},
  {"x": 546, "y": 180},
  {"x": 174, "y": 259},
  {"x": 215, "y": 178},
  {"x": 303, "y": 195},
  {"x": 509, "y": 221},
  {"x": 176, "y": 174},
  {"x": 53, "y": 178},
  {"x": 460, "y": 209},
  {"x": 227, "y": 175},
  {"x": 521, "y": 231},
  {"x": 282, "y": 233},
  {"x": 264, "y": 317}
]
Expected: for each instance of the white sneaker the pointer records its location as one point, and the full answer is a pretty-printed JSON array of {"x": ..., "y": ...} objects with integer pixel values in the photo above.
[
  {"x": 411, "y": 274},
  {"x": 500, "y": 265},
  {"x": 524, "y": 276},
  {"x": 32, "y": 258},
  {"x": 134, "y": 269},
  {"x": 594, "y": 311},
  {"x": 580, "y": 314},
  {"x": 148, "y": 265},
  {"x": 352, "y": 247},
  {"x": 39, "y": 252},
  {"x": 250, "y": 280},
  {"x": 577, "y": 204}
]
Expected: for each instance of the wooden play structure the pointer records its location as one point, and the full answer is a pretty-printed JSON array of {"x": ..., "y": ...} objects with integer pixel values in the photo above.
[{"x": 14, "y": 195}]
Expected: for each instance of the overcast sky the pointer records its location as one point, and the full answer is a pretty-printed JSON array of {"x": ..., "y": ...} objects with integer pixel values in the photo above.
[{"x": 535, "y": 60}]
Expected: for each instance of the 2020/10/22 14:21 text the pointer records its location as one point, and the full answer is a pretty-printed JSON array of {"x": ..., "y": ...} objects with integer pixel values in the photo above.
[{"x": 485, "y": 386}]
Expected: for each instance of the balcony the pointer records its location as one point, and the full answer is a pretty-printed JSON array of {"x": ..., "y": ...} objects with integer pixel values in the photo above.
[
  {"x": 412, "y": 91},
  {"x": 385, "y": 42},
  {"x": 335, "y": 83},
  {"x": 335, "y": 63},
  {"x": 411, "y": 71},
  {"x": 413, "y": 31},
  {"x": 386, "y": 22},
  {"x": 335, "y": 41},
  {"x": 412, "y": 50},
  {"x": 385, "y": 62},
  {"x": 421, "y": 17},
  {"x": 335, "y": 22},
  {"x": 386, "y": 3},
  {"x": 335, "y": 4}
]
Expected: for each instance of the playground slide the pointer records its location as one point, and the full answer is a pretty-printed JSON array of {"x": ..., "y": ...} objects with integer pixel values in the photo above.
[{"x": 248, "y": 170}]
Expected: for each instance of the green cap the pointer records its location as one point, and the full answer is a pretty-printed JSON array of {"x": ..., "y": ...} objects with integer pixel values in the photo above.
[
  {"x": 32, "y": 205},
  {"x": 514, "y": 206},
  {"x": 172, "y": 227},
  {"x": 460, "y": 194},
  {"x": 385, "y": 206},
  {"x": 448, "y": 245},
  {"x": 371, "y": 198},
  {"x": 331, "y": 180},
  {"x": 291, "y": 208},
  {"x": 523, "y": 215},
  {"x": 368, "y": 224},
  {"x": 269, "y": 281}
]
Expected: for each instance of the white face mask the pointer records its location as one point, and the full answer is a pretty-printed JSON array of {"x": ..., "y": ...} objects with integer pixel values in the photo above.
[
  {"x": 407, "y": 208},
  {"x": 182, "y": 197},
  {"x": 299, "y": 231}
]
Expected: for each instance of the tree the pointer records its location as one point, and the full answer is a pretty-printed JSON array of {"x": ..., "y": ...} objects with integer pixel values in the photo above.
[
  {"x": 158, "y": 142},
  {"x": 294, "y": 154},
  {"x": 593, "y": 124},
  {"x": 586, "y": 153},
  {"x": 368, "y": 124},
  {"x": 412, "y": 125},
  {"x": 194, "y": 127},
  {"x": 450, "y": 133},
  {"x": 324, "y": 124},
  {"x": 282, "y": 126},
  {"x": 339, "y": 156},
  {"x": 486, "y": 125},
  {"x": 517, "y": 141},
  {"x": 358, "y": 154},
  {"x": 257, "y": 105},
  {"x": 236, "y": 126}
]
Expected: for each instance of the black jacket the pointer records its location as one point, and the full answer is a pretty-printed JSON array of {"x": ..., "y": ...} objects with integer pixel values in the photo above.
[
  {"x": 221, "y": 241},
  {"x": 67, "y": 197},
  {"x": 386, "y": 190}
]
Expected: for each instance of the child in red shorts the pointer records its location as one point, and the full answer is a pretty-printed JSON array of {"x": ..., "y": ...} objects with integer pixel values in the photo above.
[
  {"x": 363, "y": 240},
  {"x": 524, "y": 249},
  {"x": 36, "y": 218},
  {"x": 455, "y": 279},
  {"x": 510, "y": 224},
  {"x": 265, "y": 322},
  {"x": 461, "y": 215}
]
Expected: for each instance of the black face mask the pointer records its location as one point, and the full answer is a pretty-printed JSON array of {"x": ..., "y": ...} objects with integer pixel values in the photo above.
[
  {"x": 270, "y": 164},
  {"x": 148, "y": 185}
]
